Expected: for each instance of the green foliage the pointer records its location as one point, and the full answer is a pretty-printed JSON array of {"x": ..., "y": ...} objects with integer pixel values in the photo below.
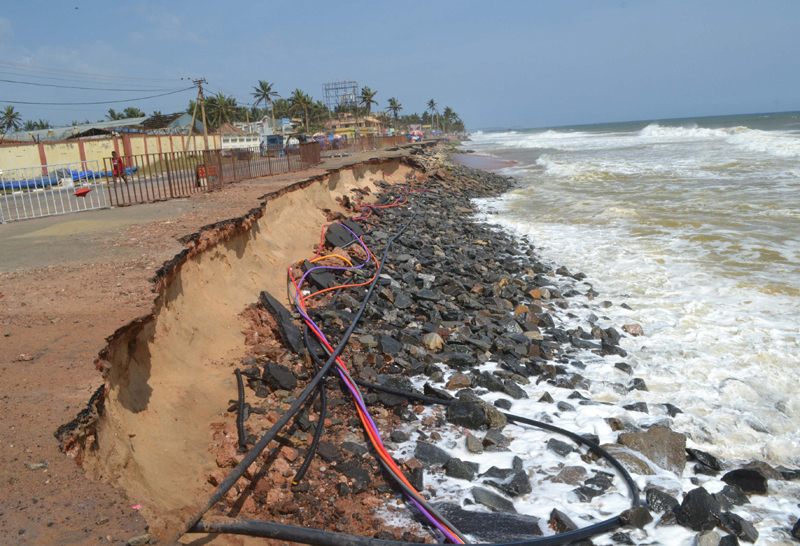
[
  {"x": 367, "y": 99},
  {"x": 10, "y": 119}
]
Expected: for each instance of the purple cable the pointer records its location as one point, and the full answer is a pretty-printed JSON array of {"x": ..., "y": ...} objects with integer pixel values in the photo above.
[{"x": 354, "y": 390}]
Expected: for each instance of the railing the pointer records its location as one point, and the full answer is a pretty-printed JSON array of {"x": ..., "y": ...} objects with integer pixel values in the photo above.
[
  {"x": 49, "y": 190},
  {"x": 157, "y": 177},
  {"x": 331, "y": 147}
]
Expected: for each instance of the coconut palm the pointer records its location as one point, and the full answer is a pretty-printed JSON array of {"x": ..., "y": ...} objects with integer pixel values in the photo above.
[
  {"x": 300, "y": 102},
  {"x": 10, "y": 119},
  {"x": 433, "y": 108},
  {"x": 113, "y": 115},
  {"x": 394, "y": 107},
  {"x": 220, "y": 109},
  {"x": 367, "y": 98},
  {"x": 132, "y": 112},
  {"x": 263, "y": 93}
]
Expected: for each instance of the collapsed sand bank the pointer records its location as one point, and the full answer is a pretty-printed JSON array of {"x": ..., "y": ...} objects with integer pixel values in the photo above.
[{"x": 167, "y": 375}]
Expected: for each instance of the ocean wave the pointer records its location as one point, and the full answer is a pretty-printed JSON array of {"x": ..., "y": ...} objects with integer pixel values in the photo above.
[{"x": 776, "y": 143}]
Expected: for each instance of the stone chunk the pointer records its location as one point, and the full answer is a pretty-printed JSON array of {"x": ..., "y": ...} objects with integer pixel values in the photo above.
[
  {"x": 456, "y": 468},
  {"x": 474, "y": 445},
  {"x": 705, "y": 458},
  {"x": 636, "y": 517},
  {"x": 572, "y": 475},
  {"x": 492, "y": 501},
  {"x": 458, "y": 381},
  {"x": 140, "y": 540},
  {"x": 402, "y": 301},
  {"x": 659, "y": 501},
  {"x": 707, "y": 538},
  {"x": 699, "y": 511},
  {"x": 491, "y": 528},
  {"x": 738, "y": 526},
  {"x": 279, "y": 377},
  {"x": 514, "y": 390},
  {"x": 665, "y": 448},
  {"x": 560, "y": 522},
  {"x": 329, "y": 452},
  {"x": 750, "y": 480},
  {"x": 729, "y": 540},
  {"x": 516, "y": 485},
  {"x": 466, "y": 414},
  {"x": 430, "y": 455},
  {"x": 560, "y": 448},
  {"x": 390, "y": 345},
  {"x": 732, "y": 495},
  {"x": 291, "y": 335}
]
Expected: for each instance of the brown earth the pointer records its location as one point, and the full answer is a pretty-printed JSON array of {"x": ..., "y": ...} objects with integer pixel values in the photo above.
[{"x": 67, "y": 283}]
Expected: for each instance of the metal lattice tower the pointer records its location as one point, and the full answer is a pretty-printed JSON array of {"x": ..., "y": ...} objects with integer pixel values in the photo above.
[{"x": 340, "y": 94}]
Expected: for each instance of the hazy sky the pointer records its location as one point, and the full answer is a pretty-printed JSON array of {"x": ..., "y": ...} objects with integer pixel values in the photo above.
[{"x": 498, "y": 64}]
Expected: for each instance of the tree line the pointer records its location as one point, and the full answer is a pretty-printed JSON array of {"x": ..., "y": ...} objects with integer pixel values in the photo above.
[{"x": 221, "y": 108}]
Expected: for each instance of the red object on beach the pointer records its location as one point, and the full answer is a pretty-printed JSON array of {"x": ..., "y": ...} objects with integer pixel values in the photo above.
[{"x": 82, "y": 192}]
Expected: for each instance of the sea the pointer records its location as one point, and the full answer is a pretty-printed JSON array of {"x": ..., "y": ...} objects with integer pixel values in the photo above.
[{"x": 694, "y": 225}]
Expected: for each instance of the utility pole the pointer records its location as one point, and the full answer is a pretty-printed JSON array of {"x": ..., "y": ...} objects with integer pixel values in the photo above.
[
  {"x": 201, "y": 98},
  {"x": 194, "y": 113}
]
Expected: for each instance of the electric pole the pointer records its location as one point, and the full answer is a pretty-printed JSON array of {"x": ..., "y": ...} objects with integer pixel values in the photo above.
[{"x": 201, "y": 99}]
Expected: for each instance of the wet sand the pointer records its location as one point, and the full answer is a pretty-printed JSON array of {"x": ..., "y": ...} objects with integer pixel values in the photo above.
[{"x": 484, "y": 162}]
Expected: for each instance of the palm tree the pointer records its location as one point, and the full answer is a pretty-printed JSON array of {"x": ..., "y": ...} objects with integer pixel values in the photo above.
[
  {"x": 394, "y": 107},
  {"x": 132, "y": 112},
  {"x": 434, "y": 108},
  {"x": 367, "y": 96},
  {"x": 264, "y": 93},
  {"x": 450, "y": 117},
  {"x": 10, "y": 119},
  {"x": 112, "y": 115},
  {"x": 299, "y": 101},
  {"x": 219, "y": 109}
]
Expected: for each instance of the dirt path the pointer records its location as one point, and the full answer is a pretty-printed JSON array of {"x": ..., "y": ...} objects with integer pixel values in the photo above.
[{"x": 67, "y": 282}]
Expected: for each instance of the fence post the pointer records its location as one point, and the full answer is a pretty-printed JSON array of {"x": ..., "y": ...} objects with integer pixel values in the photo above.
[{"x": 169, "y": 176}]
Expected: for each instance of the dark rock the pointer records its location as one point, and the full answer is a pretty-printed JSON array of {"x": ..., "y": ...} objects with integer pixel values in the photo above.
[
  {"x": 322, "y": 278},
  {"x": 398, "y": 436},
  {"x": 385, "y": 535},
  {"x": 699, "y": 511},
  {"x": 671, "y": 410},
  {"x": 769, "y": 472},
  {"x": 796, "y": 530},
  {"x": 342, "y": 489},
  {"x": 514, "y": 390},
  {"x": 668, "y": 518},
  {"x": 278, "y": 377},
  {"x": 636, "y": 517},
  {"x": 466, "y": 414},
  {"x": 514, "y": 486},
  {"x": 637, "y": 406},
  {"x": 546, "y": 398},
  {"x": 390, "y": 345},
  {"x": 750, "y": 480},
  {"x": 329, "y": 452},
  {"x": 738, "y": 526},
  {"x": 492, "y": 501},
  {"x": 729, "y": 540},
  {"x": 599, "y": 481},
  {"x": 402, "y": 301},
  {"x": 355, "y": 449},
  {"x": 427, "y": 295},
  {"x": 416, "y": 478},
  {"x": 291, "y": 335},
  {"x": 586, "y": 494},
  {"x": 456, "y": 468},
  {"x": 430, "y": 390},
  {"x": 494, "y": 437},
  {"x": 622, "y": 538},
  {"x": 706, "y": 458},
  {"x": 560, "y": 448},
  {"x": 659, "y": 501},
  {"x": 732, "y": 495},
  {"x": 563, "y": 406},
  {"x": 560, "y": 522},
  {"x": 491, "y": 528},
  {"x": 503, "y": 403},
  {"x": 430, "y": 455},
  {"x": 637, "y": 384}
]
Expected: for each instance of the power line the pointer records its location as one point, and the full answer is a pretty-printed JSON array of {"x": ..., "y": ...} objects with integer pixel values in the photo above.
[
  {"x": 78, "y": 87},
  {"x": 100, "y": 102},
  {"x": 57, "y": 71}
]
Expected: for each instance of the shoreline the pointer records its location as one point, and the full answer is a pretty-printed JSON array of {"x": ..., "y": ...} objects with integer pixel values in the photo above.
[
  {"x": 482, "y": 162},
  {"x": 471, "y": 347}
]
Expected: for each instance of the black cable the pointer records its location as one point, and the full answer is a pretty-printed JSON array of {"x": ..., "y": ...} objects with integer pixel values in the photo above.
[
  {"x": 101, "y": 102},
  {"x": 317, "y": 363},
  {"x": 268, "y": 436},
  {"x": 304, "y": 535},
  {"x": 326, "y": 538},
  {"x": 240, "y": 412}
]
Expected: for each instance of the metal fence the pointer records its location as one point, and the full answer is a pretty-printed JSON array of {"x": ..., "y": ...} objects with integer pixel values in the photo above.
[
  {"x": 48, "y": 190},
  {"x": 161, "y": 176},
  {"x": 332, "y": 147}
]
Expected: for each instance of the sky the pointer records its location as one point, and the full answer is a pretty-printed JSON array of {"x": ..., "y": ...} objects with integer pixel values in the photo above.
[{"x": 527, "y": 63}]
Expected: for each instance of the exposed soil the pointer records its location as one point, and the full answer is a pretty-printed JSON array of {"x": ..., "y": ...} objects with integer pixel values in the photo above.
[{"x": 53, "y": 322}]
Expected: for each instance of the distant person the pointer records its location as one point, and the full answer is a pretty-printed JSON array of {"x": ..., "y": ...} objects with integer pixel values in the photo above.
[{"x": 118, "y": 167}]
